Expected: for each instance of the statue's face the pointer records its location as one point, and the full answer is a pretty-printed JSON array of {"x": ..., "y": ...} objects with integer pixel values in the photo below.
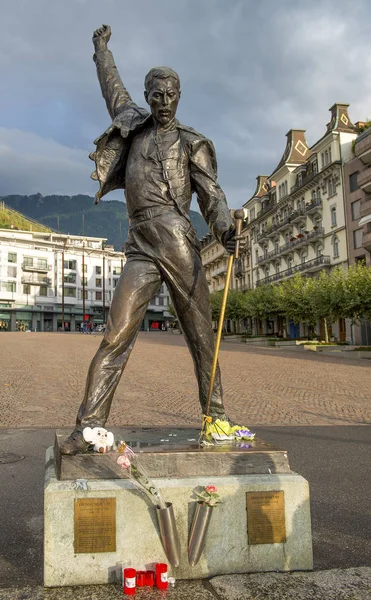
[{"x": 163, "y": 98}]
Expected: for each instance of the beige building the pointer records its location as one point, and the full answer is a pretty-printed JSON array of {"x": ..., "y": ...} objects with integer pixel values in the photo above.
[
  {"x": 297, "y": 215},
  {"x": 357, "y": 182}
]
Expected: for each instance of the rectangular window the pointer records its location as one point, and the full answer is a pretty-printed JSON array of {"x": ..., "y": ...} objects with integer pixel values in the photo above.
[
  {"x": 84, "y": 281},
  {"x": 42, "y": 263},
  {"x": 161, "y": 301},
  {"x": 12, "y": 257},
  {"x": 331, "y": 189},
  {"x": 115, "y": 282},
  {"x": 27, "y": 261},
  {"x": 12, "y": 271},
  {"x": 84, "y": 294},
  {"x": 70, "y": 264},
  {"x": 357, "y": 238},
  {"x": 98, "y": 283},
  {"x": 84, "y": 268},
  {"x": 117, "y": 270},
  {"x": 98, "y": 270},
  {"x": 70, "y": 278},
  {"x": 27, "y": 289},
  {"x": 333, "y": 216},
  {"x": 98, "y": 295},
  {"x": 356, "y": 210},
  {"x": 8, "y": 286},
  {"x": 70, "y": 292},
  {"x": 353, "y": 182},
  {"x": 43, "y": 290},
  {"x": 252, "y": 214}
]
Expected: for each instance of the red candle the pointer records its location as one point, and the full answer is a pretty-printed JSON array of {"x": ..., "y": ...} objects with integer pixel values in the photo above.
[
  {"x": 129, "y": 577},
  {"x": 150, "y": 578},
  {"x": 141, "y": 578},
  {"x": 161, "y": 576}
]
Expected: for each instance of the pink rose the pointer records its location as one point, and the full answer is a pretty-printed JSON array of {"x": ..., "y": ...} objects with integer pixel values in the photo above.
[
  {"x": 124, "y": 461},
  {"x": 211, "y": 489}
]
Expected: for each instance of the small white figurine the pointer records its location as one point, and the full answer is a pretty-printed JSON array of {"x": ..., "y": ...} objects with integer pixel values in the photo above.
[{"x": 100, "y": 438}]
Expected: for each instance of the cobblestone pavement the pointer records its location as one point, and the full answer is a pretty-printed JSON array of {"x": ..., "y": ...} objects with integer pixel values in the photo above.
[{"x": 42, "y": 378}]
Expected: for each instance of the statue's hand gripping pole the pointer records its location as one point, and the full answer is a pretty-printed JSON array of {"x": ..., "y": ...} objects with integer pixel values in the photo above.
[{"x": 239, "y": 216}]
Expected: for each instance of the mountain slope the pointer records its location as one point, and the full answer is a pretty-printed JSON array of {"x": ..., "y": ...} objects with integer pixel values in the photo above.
[
  {"x": 12, "y": 219},
  {"x": 79, "y": 215}
]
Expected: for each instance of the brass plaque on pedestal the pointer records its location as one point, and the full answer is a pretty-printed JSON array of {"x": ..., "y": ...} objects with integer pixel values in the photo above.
[
  {"x": 95, "y": 525},
  {"x": 266, "y": 517}
]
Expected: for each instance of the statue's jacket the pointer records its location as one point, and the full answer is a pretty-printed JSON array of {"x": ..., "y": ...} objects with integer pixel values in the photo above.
[{"x": 197, "y": 165}]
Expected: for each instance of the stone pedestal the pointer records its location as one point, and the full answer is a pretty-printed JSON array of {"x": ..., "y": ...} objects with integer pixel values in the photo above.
[{"x": 227, "y": 548}]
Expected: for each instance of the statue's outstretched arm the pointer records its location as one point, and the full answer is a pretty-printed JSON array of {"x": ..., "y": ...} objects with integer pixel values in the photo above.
[{"x": 113, "y": 90}]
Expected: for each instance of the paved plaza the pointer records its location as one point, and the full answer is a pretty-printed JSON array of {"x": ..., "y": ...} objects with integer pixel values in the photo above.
[
  {"x": 284, "y": 395},
  {"x": 42, "y": 381}
]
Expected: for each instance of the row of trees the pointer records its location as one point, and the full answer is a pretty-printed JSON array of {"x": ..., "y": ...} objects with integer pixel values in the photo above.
[{"x": 338, "y": 294}]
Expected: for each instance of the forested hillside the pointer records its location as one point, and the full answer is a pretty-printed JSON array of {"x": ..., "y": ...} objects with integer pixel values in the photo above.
[{"x": 79, "y": 215}]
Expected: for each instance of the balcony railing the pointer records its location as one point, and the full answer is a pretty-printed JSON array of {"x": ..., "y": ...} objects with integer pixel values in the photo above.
[
  {"x": 301, "y": 241},
  {"x": 366, "y": 241},
  {"x": 265, "y": 209},
  {"x": 218, "y": 272},
  {"x": 36, "y": 267},
  {"x": 364, "y": 179},
  {"x": 313, "y": 206},
  {"x": 238, "y": 270},
  {"x": 311, "y": 265},
  {"x": 217, "y": 255},
  {"x": 362, "y": 147},
  {"x": 365, "y": 206},
  {"x": 303, "y": 182},
  {"x": 30, "y": 280}
]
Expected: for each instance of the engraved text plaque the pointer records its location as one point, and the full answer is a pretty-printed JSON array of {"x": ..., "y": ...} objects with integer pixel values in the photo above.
[
  {"x": 266, "y": 517},
  {"x": 95, "y": 525}
]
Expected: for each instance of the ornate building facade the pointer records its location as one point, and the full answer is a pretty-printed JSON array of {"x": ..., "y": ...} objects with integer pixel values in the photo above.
[{"x": 298, "y": 217}]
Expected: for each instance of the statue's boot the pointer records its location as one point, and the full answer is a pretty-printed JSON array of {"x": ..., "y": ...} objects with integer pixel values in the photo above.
[{"x": 74, "y": 444}]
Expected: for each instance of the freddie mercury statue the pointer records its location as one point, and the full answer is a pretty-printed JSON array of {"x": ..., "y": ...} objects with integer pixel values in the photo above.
[{"x": 159, "y": 163}]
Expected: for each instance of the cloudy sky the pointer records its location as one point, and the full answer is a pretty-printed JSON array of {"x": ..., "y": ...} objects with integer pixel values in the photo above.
[{"x": 250, "y": 71}]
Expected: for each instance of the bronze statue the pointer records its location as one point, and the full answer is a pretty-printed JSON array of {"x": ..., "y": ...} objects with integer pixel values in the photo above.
[{"x": 159, "y": 163}]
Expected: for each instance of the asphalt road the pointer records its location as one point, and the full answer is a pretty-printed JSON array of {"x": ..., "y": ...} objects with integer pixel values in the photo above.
[{"x": 334, "y": 459}]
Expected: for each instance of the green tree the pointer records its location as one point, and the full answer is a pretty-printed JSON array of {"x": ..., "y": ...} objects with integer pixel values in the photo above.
[
  {"x": 216, "y": 303},
  {"x": 357, "y": 293},
  {"x": 327, "y": 297},
  {"x": 294, "y": 300}
]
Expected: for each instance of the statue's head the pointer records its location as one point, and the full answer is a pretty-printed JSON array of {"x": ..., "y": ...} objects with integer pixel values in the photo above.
[{"x": 162, "y": 92}]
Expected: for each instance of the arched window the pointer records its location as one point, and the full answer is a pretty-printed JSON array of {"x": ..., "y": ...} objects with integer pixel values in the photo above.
[
  {"x": 318, "y": 193},
  {"x": 290, "y": 262},
  {"x": 266, "y": 270},
  {"x": 276, "y": 245},
  {"x": 303, "y": 257},
  {"x": 313, "y": 195},
  {"x": 277, "y": 268},
  {"x": 335, "y": 244},
  {"x": 319, "y": 250}
]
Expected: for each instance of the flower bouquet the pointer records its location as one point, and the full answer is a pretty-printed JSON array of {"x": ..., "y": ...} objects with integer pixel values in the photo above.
[
  {"x": 208, "y": 498},
  {"x": 133, "y": 470},
  {"x": 222, "y": 431}
]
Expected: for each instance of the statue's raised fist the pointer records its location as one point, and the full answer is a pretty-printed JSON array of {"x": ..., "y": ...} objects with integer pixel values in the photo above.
[{"x": 102, "y": 33}]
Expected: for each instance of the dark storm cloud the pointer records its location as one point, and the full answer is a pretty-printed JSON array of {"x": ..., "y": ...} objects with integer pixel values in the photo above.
[{"x": 250, "y": 71}]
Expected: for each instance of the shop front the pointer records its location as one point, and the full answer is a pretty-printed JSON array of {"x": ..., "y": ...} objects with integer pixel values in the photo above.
[
  {"x": 23, "y": 320},
  {"x": 4, "y": 321}
]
